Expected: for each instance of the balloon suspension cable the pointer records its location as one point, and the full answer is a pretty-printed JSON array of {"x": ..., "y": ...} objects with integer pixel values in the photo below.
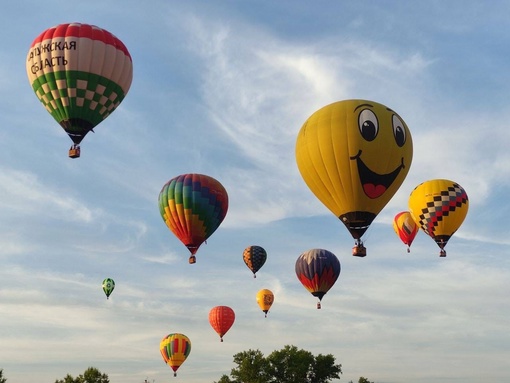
[{"x": 442, "y": 244}]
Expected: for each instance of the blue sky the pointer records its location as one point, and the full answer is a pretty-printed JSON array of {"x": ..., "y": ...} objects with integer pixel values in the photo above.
[{"x": 222, "y": 88}]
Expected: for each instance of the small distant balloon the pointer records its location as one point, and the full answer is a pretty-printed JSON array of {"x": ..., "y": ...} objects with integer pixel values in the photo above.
[
  {"x": 221, "y": 319},
  {"x": 254, "y": 257},
  {"x": 108, "y": 286},
  {"x": 265, "y": 299},
  {"x": 405, "y": 227}
]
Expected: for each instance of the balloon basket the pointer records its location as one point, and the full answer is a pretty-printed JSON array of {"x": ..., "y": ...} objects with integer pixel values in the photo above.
[
  {"x": 359, "y": 250},
  {"x": 74, "y": 152}
]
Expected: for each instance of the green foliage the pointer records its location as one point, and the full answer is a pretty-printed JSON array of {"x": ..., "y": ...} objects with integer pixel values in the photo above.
[
  {"x": 2, "y": 379},
  {"x": 362, "y": 380},
  {"x": 91, "y": 375},
  {"x": 288, "y": 365}
]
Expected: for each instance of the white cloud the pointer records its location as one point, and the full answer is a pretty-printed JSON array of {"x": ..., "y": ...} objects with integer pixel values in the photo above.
[{"x": 24, "y": 194}]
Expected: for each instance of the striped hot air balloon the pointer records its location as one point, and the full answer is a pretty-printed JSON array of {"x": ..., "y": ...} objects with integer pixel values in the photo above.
[
  {"x": 80, "y": 73},
  {"x": 318, "y": 270},
  {"x": 174, "y": 349},
  {"x": 193, "y": 207},
  {"x": 405, "y": 227}
]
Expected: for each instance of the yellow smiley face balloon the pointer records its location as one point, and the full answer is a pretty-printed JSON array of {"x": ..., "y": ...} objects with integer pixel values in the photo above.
[{"x": 354, "y": 155}]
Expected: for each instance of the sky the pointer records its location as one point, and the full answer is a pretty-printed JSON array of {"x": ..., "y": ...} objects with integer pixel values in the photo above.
[{"x": 222, "y": 88}]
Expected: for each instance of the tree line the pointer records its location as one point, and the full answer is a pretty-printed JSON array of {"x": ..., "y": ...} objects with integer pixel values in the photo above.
[{"x": 288, "y": 365}]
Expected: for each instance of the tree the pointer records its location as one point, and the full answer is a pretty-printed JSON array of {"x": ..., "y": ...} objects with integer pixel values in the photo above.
[
  {"x": 288, "y": 365},
  {"x": 2, "y": 379},
  {"x": 91, "y": 375},
  {"x": 362, "y": 380}
]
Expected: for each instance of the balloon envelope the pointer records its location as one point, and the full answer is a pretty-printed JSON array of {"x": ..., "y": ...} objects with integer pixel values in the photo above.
[
  {"x": 439, "y": 207},
  {"x": 318, "y": 270},
  {"x": 265, "y": 299},
  {"x": 354, "y": 155},
  {"x": 405, "y": 227},
  {"x": 108, "y": 286},
  {"x": 174, "y": 349},
  {"x": 254, "y": 257},
  {"x": 193, "y": 207},
  {"x": 80, "y": 73},
  {"x": 221, "y": 319}
]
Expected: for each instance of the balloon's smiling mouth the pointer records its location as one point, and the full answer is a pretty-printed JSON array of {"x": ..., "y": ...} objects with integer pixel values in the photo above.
[{"x": 375, "y": 185}]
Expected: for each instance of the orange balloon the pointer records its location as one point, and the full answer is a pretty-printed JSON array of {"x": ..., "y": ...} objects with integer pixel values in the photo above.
[{"x": 221, "y": 319}]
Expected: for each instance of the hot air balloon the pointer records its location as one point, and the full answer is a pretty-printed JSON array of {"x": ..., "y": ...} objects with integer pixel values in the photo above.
[
  {"x": 108, "y": 286},
  {"x": 254, "y": 257},
  {"x": 174, "y": 349},
  {"x": 265, "y": 299},
  {"x": 193, "y": 207},
  {"x": 80, "y": 73},
  {"x": 439, "y": 207},
  {"x": 354, "y": 155},
  {"x": 405, "y": 227},
  {"x": 221, "y": 319},
  {"x": 318, "y": 270}
]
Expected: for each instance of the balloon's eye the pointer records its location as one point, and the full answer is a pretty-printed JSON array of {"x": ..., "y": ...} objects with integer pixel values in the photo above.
[
  {"x": 368, "y": 124},
  {"x": 399, "y": 131}
]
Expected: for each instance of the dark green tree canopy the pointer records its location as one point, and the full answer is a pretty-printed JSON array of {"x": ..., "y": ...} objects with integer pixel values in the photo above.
[
  {"x": 2, "y": 379},
  {"x": 362, "y": 380},
  {"x": 288, "y": 365},
  {"x": 91, "y": 375}
]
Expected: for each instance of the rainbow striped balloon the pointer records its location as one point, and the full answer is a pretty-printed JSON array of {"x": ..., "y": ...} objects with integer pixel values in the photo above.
[
  {"x": 174, "y": 349},
  {"x": 193, "y": 207}
]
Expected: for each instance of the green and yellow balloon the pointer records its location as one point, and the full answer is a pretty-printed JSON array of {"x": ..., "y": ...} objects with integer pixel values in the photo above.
[
  {"x": 108, "y": 286},
  {"x": 80, "y": 73}
]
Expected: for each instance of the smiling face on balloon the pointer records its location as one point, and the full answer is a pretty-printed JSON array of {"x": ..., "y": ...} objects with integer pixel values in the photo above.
[
  {"x": 383, "y": 147},
  {"x": 354, "y": 155}
]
